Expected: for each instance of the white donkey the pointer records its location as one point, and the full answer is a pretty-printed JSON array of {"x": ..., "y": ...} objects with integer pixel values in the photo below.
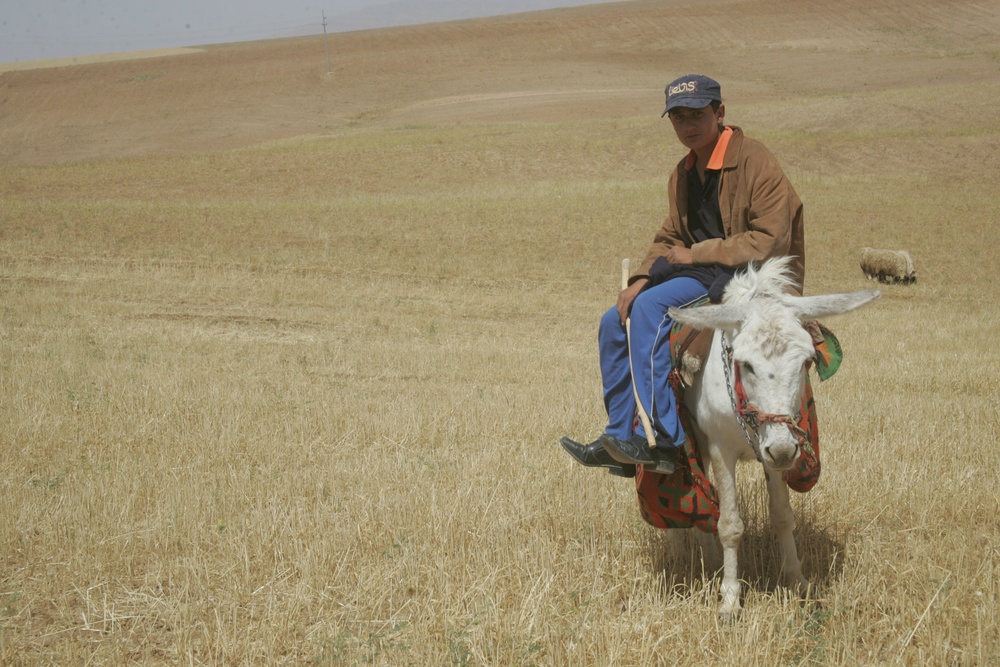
[{"x": 759, "y": 336}]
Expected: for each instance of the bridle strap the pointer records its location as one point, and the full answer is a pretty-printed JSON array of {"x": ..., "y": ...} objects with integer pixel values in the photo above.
[
  {"x": 753, "y": 415},
  {"x": 728, "y": 366},
  {"x": 748, "y": 414}
]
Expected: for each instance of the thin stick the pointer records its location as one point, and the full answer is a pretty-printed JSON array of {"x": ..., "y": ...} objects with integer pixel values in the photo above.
[
  {"x": 647, "y": 425},
  {"x": 920, "y": 620}
]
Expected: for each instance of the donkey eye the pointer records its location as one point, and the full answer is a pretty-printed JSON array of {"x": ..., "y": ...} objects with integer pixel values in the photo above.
[{"x": 748, "y": 367}]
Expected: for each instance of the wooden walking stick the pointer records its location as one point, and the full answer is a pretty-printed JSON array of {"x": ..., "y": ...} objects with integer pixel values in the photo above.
[{"x": 647, "y": 425}]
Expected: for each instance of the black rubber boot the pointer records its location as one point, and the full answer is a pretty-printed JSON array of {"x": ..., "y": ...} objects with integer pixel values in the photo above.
[
  {"x": 594, "y": 455},
  {"x": 636, "y": 450}
]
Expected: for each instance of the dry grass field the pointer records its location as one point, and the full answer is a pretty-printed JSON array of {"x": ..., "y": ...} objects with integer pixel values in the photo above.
[{"x": 285, "y": 355}]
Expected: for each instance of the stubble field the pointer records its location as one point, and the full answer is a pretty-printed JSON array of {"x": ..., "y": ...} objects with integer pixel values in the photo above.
[{"x": 285, "y": 355}]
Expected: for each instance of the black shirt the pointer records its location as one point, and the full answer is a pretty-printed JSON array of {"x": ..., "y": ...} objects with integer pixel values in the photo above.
[{"x": 704, "y": 217}]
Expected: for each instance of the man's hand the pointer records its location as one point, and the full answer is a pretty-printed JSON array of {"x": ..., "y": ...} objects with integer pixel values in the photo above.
[
  {"x": 627, "y": 296},
  {"x": 679, "y": 255}
]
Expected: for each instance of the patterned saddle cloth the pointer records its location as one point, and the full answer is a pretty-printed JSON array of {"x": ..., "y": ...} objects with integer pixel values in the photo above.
[{"x": 686, "y": 497}]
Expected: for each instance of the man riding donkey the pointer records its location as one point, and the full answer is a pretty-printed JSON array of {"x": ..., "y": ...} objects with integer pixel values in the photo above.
[{"x": 730, "y": 204}]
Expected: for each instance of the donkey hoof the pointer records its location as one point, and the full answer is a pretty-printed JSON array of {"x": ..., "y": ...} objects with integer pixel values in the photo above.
[{"x": 728, "y": 616}]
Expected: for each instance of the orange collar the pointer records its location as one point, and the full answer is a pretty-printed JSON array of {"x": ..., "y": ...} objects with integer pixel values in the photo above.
[{"x": 718, "y": 153}]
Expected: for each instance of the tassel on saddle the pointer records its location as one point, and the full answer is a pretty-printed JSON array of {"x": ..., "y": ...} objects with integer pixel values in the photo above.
[{"x": 689, "y": 347}]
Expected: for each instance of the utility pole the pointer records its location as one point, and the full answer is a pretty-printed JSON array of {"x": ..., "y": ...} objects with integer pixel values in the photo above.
[{"x": 326, "y": 43}]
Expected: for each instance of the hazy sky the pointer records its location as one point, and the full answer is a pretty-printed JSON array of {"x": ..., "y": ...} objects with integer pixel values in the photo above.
[{"x": 41, "y": 29}]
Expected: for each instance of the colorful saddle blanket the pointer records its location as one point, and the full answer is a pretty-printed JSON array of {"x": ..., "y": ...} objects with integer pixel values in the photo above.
[{"x": 686, "y": 497}]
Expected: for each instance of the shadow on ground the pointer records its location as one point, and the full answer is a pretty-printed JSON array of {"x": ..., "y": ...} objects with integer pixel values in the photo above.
[{"x": 689, "y": 561}]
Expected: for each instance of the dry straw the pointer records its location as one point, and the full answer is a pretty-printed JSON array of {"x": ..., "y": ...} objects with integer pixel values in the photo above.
[{"x": 300, "y": 403}]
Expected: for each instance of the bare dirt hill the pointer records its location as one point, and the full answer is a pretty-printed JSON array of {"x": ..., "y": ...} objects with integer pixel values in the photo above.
[{"x": 587, "y": 62}]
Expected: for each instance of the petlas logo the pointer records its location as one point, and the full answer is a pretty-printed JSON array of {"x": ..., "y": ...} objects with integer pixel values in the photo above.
[{"x": 686, "y": 87}]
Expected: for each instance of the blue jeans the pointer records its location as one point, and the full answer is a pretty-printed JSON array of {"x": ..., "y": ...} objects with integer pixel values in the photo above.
[{"x": 649, "y": 363}]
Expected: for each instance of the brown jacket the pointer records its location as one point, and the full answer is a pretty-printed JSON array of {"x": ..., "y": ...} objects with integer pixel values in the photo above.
[{"x": 761, "y": 214}]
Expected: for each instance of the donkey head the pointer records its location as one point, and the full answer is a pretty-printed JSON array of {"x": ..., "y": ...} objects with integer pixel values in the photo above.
[{"x": 762, "y": 326}]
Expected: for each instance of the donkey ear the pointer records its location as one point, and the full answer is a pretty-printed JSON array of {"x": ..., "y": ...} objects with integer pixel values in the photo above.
[
  {"x": 816, "y": 307},
  {"x": 720, "y": 316}
]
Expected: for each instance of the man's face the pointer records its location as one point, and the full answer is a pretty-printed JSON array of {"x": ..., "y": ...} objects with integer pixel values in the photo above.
[{"x": 697, "y": 128}]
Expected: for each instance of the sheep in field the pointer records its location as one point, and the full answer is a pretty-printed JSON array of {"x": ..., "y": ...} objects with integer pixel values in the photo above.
[{"x": 888, "y": 266}]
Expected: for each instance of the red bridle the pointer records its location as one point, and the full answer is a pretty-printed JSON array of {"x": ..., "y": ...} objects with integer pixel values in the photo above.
[{"x": 755, "y": 418}]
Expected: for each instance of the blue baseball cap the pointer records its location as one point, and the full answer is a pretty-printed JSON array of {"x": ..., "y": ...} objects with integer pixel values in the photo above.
[{"x": 694, "y": 91}]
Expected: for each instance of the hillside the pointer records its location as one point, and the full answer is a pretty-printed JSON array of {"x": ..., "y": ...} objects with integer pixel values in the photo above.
[{"x": 598, "y": 61}]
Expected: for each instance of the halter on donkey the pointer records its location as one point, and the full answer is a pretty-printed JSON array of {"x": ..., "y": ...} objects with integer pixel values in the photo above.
[{"x": 754, "y": 379}]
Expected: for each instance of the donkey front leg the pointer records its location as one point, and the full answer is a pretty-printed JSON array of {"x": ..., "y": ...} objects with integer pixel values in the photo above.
[
  {"x": 730, "y": 533},
  {"x": 783, "y": 521}
]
